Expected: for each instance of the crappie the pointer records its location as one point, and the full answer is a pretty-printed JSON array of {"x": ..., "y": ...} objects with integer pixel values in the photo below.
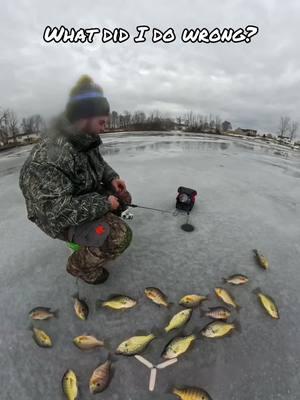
[
  {"x": 226, "y": 297},
  {"x": 81, "y": 308},
  {"x": 118, "y": 302},
  {"x": 134, "y": 345},
  {"x": 268, "y": 303},
  {"x": 218, "y": 329},
  {"x": 87, "y": 342},
  {"x": 217, "y": 313},
  {"x": 261, "y": 259},
  {"x": 100, "y": 378},
  {"x": 70, "y": 385},
  {"x": 237, "y": 279},
  {"x": 41, "y": 338},
  {"x": 191, "y": 393},
  {"x": 157, "y": 296},
  {"x": 179, "y": 319},
  {"x": 42, "y": 313},
  {"x": 178, "y": 346},
  {"x": 192, "y": 300}
]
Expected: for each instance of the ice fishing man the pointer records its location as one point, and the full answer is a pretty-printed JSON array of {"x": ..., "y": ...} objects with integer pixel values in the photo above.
[{"x": 71, "y": 192}]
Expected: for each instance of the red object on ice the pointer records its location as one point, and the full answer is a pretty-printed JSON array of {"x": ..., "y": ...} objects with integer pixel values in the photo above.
[{"x": 100, "y": 229}]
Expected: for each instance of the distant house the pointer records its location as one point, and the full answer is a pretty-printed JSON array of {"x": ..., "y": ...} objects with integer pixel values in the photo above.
[
  {"x": 284, "y": 140},
  {"x": 179, "y": 126},
  {"x": 27, "y": 137},
  {"x": 226, "y": 126},
  {"x": 247, "y": 132}
]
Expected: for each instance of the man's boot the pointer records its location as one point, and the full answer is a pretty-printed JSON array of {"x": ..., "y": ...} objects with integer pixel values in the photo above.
[{"x": 87, "y": 264}]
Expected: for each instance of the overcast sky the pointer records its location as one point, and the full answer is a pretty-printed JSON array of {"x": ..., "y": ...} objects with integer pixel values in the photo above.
[{"x": 251, "y": 85}]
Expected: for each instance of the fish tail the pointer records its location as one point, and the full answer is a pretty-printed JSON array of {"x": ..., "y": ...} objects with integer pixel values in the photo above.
[
  {"x": 255, "y": 251},
  {"x": 170, "y": 390},
  {"x": 238, "y": 308},
  {"x": 107, "y": 345},
  {"x": 209, "y": 297},
  {"x": 56, "y": 313},
  {"x": 202, "y": 313},
  {"x": 170, "y": 304},
  {"x": 224, "y": 280},
  {"x": 237, "y": 325},
  {"x": 99, "y": 303},
  {"x": 196, "y": 333},
  {"x": 256, "y": 291},
  {"x": 112, "y": 358},
  {"x": 157, "y": 332}
]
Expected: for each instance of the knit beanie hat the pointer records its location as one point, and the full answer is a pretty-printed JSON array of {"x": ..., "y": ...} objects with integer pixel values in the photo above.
[{"x": 86, "y": 100}]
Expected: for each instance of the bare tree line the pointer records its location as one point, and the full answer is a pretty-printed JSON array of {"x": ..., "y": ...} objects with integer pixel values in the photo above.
[
  {"x": 158, "y": 121},
  {"x": 140, "y": 121},
  {"x": 11, "y": 126},
  {"x": 288, "y": 128},
  {"x": 203, "y": 123}
]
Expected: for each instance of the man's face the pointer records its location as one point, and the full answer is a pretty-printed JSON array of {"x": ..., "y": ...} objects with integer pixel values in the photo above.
[{"x": 95, "y": 125}]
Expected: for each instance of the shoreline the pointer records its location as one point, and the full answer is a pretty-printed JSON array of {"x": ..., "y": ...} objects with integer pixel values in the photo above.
[{"x": 256, "y": 140}]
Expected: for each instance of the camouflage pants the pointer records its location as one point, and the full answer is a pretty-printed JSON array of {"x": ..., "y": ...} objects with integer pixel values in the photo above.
[{"x": 87, "y": 262}]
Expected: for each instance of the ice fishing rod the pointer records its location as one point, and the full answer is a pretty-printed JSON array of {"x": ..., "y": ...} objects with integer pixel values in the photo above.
[
  {"x": 150, "y": 208},
  {"x": 185, "y": 201}
]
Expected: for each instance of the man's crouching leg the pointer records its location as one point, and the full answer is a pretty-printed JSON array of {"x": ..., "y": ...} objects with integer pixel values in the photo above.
[{"x": 87, "y": 262}]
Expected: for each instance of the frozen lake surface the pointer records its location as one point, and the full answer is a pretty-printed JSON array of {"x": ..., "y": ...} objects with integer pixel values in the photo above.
[{"x": 248, "y": 197}]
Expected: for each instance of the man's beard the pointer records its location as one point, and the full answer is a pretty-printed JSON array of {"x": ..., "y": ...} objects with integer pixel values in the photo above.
[{"x": 88, "y": 129}]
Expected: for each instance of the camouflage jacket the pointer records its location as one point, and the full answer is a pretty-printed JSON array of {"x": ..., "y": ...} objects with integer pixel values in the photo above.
[{"x": 64, "y": 179}]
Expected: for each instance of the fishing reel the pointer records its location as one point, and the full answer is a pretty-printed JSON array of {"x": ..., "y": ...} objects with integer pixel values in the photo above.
[
  {"x": 126, "y": 214},
  {"x": 124, "y": 201}
]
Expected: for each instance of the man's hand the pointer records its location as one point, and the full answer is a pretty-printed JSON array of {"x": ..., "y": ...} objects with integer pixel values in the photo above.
[
  {"x": 114, "y": 202},
  {"x": 118, "y": 184}
]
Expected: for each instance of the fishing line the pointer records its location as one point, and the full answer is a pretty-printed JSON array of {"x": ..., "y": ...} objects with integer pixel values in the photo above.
[{"x": 185, "y": 201}]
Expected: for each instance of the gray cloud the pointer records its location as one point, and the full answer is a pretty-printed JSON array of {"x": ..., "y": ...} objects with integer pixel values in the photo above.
[{"x": 249, "y": 84}]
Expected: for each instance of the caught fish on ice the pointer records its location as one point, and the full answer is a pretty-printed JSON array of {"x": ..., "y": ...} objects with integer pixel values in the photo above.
[
  {"x": 217, "y": 313},
  {"x": 237, "y": 279},
  {"x": 179, "y": 319},
  {"x": 262, "y": 260},
  {"x": 227, "y": 297},
  {"x": 157, "y": 296},
  {"x": 192, "y": 300},
  {"x": 85, "y": 342},
  {"x": 134, "y": 345},
  {"x": 117, "y": 302},
  {"x": 42, "y": 313},
  {"x": 81, "y": 308},
  {"x": 177, "y": 346},
  {"x": 70, "y": 385},
  {"x": 41, "y": 338},
  {"x": 101, "y": 377},
  {"x": 217, "y": 329},
  {"x": 268, "y": 303},
  {"x": 191, "y": 393}
]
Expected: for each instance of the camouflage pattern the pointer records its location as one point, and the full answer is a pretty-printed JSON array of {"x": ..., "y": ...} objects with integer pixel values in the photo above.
[
  {"x": 66, "y": 183},
  {"x": 64, "y": 179},
  {"x": 87, "y": 263}
]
